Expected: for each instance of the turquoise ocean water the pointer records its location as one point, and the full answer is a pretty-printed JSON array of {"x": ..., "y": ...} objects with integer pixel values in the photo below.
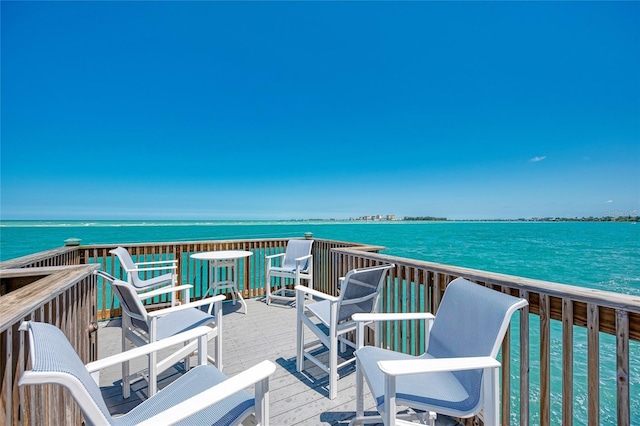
[{"x": 599, "y": 255}]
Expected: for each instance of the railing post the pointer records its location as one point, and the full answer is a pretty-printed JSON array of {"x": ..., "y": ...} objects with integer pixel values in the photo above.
[
  {"x": 180, "y": 266},
  {"x": 545, "y": 359},
  {"x": 622, "y": 361},
  {"x": 506, "y": 375},
  {"x": 567, "y": 361},
  {"x": 524, "y": 362},
  {"x": 593, "y": 364}
]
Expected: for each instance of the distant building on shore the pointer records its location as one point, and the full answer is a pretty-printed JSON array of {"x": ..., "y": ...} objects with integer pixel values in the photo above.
[{"x": 374, "y": 218}]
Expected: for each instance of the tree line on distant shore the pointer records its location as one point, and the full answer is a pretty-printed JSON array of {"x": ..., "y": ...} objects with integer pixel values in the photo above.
[
  {"x": 425, "y": 218},
  {"x": 541, "y": 219},
  {"x": 602, "y": 219}
]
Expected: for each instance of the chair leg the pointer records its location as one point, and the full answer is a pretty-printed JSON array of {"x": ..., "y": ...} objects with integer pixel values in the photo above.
[
  {"x": 299, "y": 331},
  {"x": 126, "y": 382},
  {"x": 153, "y": 375},
  {"x": 297, "y": 282},
  {"x": 310, "y": 285},
  {"x": 333, "y": 366},
  {"x": 490, "y": 385},
  {"x": 283, "y": 286},
  {"x": 359, "y": 391},
  {"x": 153, "y": 360},
  {"x": 343, "y": 346},
  {"x": 217, "y": 342},
  {"x": 267, "y": 287},
  {"x": 187, "y": 362},
  {"x": 389, "y": 416},
  {"x": 262, "y": 402},
  {"x": 433, "y": 416}
]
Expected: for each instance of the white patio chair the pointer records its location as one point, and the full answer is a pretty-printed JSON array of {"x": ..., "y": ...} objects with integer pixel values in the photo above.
[
  {"x": 295, "y": 263},
  {"x": 203, "y": 395},
  {"x": 331, "y": 318},
  {"x": 164, "y": 270},
  {"x": 140, "y": 327},
  {"x": 457, "y": 375}
]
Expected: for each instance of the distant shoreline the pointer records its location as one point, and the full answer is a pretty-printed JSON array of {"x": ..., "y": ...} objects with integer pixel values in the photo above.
[
  {"x": 536, "y": 219},
  {"x": 364, "y": 220}
]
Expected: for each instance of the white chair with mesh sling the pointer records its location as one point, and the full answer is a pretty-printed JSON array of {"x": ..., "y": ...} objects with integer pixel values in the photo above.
[
  {"x": 140, "y": 327},
  {"x": 296, "y": 264},
  {"x": 330, "y": 319},
  {"x": 458, "y": 373},
  {"x": 163, "y": 272},
  {"x": 203, "y": 395}
]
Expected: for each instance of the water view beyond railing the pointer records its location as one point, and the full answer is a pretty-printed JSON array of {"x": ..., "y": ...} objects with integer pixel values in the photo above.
[{"x": 570, "y": 344}]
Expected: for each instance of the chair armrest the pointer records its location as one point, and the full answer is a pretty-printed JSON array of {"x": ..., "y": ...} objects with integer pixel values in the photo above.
[
  {"x": 154, "y": 268},
  {"x": 301, "y": 259},
  {"x": 195, "y": 304},
  {"x": 157, "y": 262},
  {"x": 147, "y": 349},
  {"x": 213, "y": 395},
  {"x": 163, "y": 290},
  {"x": 436, "y": 365},
  {"x": 316, "y": 293},
  {"x": 273, "y": 256},
  {"x": 391, "y": 316},
  {"x": 366, "y": 318}
]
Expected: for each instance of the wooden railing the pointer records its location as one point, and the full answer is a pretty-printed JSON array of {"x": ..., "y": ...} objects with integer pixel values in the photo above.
[
  {"x": 423, "y": 284},
  {"x": 60, "y": 295},
  {"x": 556, "y": 313},
  {"x": 191, "y": 271},
  {"x": 63, "y": 256}
]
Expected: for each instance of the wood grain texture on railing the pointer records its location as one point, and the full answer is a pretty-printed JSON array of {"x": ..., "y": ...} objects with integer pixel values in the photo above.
[
  {"x": 62, "y": 256},
  {"x": 61, "y": 295},
  {"x": 250, "y": 275},
  {"x": 598, "y": 312}
]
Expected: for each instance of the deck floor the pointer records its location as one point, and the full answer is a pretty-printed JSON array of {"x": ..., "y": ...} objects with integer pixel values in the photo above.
[{"x": 266, "y": 332}]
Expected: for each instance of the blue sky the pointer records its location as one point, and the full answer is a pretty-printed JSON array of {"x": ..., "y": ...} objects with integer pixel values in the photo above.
[{"x": 293, "y": 110}]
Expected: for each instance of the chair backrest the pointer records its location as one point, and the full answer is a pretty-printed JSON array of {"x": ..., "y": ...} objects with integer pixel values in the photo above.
[
  {"x": 360, "y": 291},
  {"x": 295, "y": 249},
  {"x": 471, "y": 321},
  {"x": 127, "y": 262},
  {"x": 53, "y": 360},
  {"x": 129, "y": 300}
]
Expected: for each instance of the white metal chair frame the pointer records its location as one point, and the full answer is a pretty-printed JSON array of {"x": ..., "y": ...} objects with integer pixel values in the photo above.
[
  {"x": 395, "y": 369},
  {"x": 337, "y": 328},
  {"x": 140, "y": 337},
  {"x": 181, "y": 409},
  {"x": 298, "y": 268},
  {"x": 133, "y": 270}
]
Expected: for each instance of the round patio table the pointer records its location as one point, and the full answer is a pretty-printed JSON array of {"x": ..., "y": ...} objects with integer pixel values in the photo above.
[{"x": 226, "y": 260}]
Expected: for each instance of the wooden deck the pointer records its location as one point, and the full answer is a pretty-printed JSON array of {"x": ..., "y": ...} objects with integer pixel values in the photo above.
[
  {"x": 295, "y": 398},
  {"x": 59, "y": 286}
]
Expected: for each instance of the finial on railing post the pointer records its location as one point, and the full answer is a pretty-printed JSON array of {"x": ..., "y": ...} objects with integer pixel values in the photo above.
[
  {"x": 308, "y": 235},
  {"x": 72, "y": 242}
]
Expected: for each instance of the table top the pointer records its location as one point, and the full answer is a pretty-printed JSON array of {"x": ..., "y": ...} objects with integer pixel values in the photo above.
[{"x": 221, "y": 254}]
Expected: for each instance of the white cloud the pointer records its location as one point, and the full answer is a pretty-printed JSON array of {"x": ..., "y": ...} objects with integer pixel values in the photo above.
[
  {"x": 609, "y": 201},
  {"x": 536, "y": 159}
]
